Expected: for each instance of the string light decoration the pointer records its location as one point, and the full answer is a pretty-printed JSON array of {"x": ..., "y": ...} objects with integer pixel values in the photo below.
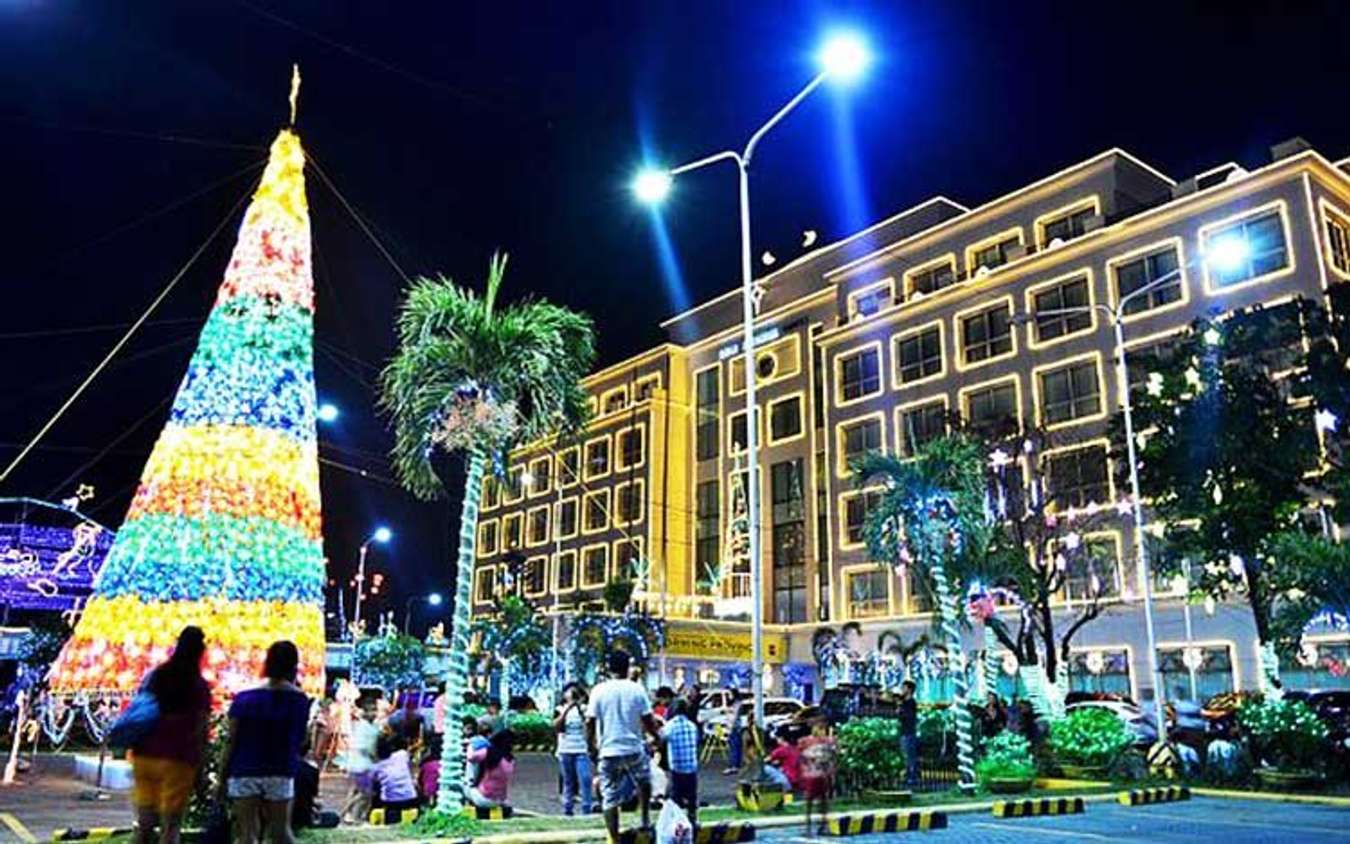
[{"x": 224, "y": 530}]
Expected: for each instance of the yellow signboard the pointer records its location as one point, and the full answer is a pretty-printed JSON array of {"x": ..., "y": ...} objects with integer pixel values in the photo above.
[{"x": 706, "y": 642}]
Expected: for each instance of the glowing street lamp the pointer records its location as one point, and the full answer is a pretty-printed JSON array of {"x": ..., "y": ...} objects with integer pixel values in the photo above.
[
  {"x": 381, "y": 535},
  {"x": 328, "y": 412},
  {"x": 1227, "y": 254},
  {"x": 432, "y": 600},
  {"x": 842, "y": 58}
]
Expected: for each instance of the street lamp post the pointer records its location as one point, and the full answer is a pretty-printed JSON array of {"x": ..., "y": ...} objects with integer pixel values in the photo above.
[
  {"x": 843, "y": 58},
  {"x": 433, "y": 600},
  {"x": 381, "y": 535},
  {"x": 1230, "y": 251}
]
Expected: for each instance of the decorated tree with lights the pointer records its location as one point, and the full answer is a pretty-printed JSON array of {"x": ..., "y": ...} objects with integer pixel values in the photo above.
[
  {"x": 1041, "y": 556},
  {"x": 224, "y": 529},
  {"x": 929, "y": 518},
  {"x": 475, "y": 378},
  {"x": 1227, "y": 441}
]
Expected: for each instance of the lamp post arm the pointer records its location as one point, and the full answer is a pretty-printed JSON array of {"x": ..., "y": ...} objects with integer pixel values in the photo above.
[
  {"x": 725, "y": 155},
  {"x": 778, "y": 116},
  {"x": 1165, "y": 278}
]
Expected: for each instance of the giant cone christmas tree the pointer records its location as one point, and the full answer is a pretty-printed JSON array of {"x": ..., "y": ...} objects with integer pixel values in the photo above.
[{"x": 224, "y": 531}]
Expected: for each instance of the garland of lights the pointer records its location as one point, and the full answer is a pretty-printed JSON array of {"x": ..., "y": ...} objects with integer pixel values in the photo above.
[{"x": 224, "y": 531}]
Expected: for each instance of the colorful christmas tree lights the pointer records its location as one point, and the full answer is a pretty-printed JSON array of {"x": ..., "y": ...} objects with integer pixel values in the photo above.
[{"x": 224, "y": 531}]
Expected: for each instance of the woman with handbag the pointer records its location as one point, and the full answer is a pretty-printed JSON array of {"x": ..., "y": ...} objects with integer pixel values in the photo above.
[{"x": 164, "y": 763}]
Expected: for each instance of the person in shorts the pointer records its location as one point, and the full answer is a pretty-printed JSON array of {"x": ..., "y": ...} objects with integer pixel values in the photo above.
[
  {"x": 164, "y": 763},
  {"x": 616, "y": 717},
  {"x": 681, "y": 737},
  {"x": 267, "y": 730}
]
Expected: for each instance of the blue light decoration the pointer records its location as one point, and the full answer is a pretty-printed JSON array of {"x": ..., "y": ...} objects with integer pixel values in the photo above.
[{"x": 50, "y": 567}]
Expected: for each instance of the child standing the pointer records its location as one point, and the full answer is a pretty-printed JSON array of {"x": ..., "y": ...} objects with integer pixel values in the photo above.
[
  {"x": 681, "y": 738},
  {"x": 819, "y": 758}
]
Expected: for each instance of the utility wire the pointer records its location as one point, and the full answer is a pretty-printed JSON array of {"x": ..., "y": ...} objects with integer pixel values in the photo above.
[
  {"x": 173, "y": 282},
  {"x": 84, "y": 467},
  {"x": 357, "y": 217},
  {"x": 91, "y": 329},
  {"x": 129, "y": 133}
]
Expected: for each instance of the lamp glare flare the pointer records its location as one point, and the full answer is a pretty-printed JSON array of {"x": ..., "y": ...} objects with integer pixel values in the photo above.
[
  {"x": 382, "y": 534},
  {"x": 844, "y": 57},
  {"x": 652, "y": 185},
  {"x": 1227, "y": 254},
  {"x": 224, "y": 531}
]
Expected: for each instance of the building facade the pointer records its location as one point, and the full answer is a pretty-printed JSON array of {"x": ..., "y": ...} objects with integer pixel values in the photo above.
[{"x": 874, "y": 343}]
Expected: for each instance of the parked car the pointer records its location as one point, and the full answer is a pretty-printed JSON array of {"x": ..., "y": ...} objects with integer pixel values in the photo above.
[
  {"x": 1139, "y": 723},
  {"x": 777, "y": 712},
  {"x": 715, "y": 704}
]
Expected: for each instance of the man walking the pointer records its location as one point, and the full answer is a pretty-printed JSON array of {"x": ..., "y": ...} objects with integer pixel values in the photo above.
[
  {"x": 909, "y": 732},
  {"x": 616, "y": 717},
  {"x": 681, "y": 738}
]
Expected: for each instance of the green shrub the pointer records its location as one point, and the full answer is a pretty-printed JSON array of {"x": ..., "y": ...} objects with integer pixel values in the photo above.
[
  {"x": 1089, "y": 737},
  {"x": 1007, "y": 756},
  {"x": 438, "y": 824},
  {"x": 532, "y": 729},
  {"x": 1286, "y": 733},
  {"x": 869, "y": 753}
]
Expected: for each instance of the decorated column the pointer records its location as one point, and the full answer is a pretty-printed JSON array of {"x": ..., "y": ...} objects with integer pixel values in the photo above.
[{"x": 224, "y": 529}]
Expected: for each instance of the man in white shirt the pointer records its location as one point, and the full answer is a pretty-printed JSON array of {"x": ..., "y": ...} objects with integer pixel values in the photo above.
[{"x": 616, "y": 717}]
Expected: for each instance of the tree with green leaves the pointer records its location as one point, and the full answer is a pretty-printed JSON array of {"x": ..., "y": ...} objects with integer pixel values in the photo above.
[
  {"x": 1225, "y": 451},
  {"x": 473, "y": 377},
  {"x": 929, "y": 517},
  {"x": 1318, "y": 587}
]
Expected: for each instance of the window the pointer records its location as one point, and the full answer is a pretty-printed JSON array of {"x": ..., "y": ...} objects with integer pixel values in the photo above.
[
  {"x": 869, "y": 593},
  {"x": 491, "y": 493},
  {"x": 569, "y": 472},
  {"x": 860, "y": 374},
  {"x": 629, "y": 502},
  {"x": 646, "y": 387},
  {"x": 705, "y": 414},
  {"x": 511, "y": 532},
  {"x": 786, "y": 491},
  {"x": 1070, "y": 392},
  {"x": 627, "y": 559},
  {"x": 542, "y": 471},
  {"x": 986, "y": 334},
  {"x": 565, "y": 564},
  {"x": 871, "y": 300},
  {"x": 616, "y": 400},
  {"x": 785, "y": 419},
  {"x": 707, "y": 534},
  {"x": 1246, "y": 249},
  {"x": 630, "y": 447},
  {"x": 856, "y": 508},
  {"x": 921, "y": 424},
  {"x": 1068, "y": 226},
  {"x": 1338, "y": 240},
  {"x": 513, "y": 491},
  {"x": 567, "y": 518},
  {"x": 1050, "y": 305},
  {"x": 920, "y": 596},
  {"x": 1092, "y": 569},
  {"x": 1138, "y": 273},
  {"x": 1077, "y": 478},
  {"x": 857, "y": 439},
  {"x": 594, "y": 565},
  {"x": 919, "y": 356},
  {"x": 736, "y": 436},
  {"x": 992, "y": 411},
  {"x": 536, "y": 575},
  {"x": 487, "y": 584},
  {"x": 537, "y": 530},
  {"x": 927, "y": 281},
  {"x": 1143, "y": 360},
  {"x": 487, "y": 537},
  {"x": 994, "y": 254},
  {"x": 597, "y": 458},
  {"x": 597, "y": 511}
]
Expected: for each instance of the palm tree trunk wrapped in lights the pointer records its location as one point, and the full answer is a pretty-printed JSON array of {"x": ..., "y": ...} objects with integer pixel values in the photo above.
[
  {"x": 956, "y": 664},
  {"x": 469, "y": 377}
]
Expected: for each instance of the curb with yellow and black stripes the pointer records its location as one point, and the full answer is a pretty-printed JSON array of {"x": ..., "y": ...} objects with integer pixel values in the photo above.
[
  {"x": 1145, "y": 796},
  {"x": 868, "y": 822},
  {"x": 98, "y": 833},
  {"x": 1044, "y": 806},
  {"x": 713, "y": 833},
  {"x": 392, "y": 817},
  {"x": 489, "y": 813}
]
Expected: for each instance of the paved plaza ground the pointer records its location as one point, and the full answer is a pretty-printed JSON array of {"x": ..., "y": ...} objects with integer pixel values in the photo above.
[{"x": 50, "y": 800}]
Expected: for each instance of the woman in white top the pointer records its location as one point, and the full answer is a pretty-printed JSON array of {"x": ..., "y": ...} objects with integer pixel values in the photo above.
[
  {"x": 360, "y": 763},
  {"x": 574, "y": 762}
]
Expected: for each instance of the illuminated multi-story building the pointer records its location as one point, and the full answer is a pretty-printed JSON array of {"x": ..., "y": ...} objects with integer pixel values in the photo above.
[{"x": 876, "y": 342}]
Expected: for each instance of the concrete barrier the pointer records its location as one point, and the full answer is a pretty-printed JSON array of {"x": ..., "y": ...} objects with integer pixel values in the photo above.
[{"x": 1044, "y": 806}]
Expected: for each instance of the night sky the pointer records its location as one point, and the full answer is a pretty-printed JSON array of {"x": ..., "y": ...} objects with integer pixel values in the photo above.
[{"x": 129, "y": 130}]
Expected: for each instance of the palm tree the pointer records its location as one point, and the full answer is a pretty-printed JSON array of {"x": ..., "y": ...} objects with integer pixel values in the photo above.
[
  {"x": 930, "y": 517},
  {"x": 471, "y": 377}
]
